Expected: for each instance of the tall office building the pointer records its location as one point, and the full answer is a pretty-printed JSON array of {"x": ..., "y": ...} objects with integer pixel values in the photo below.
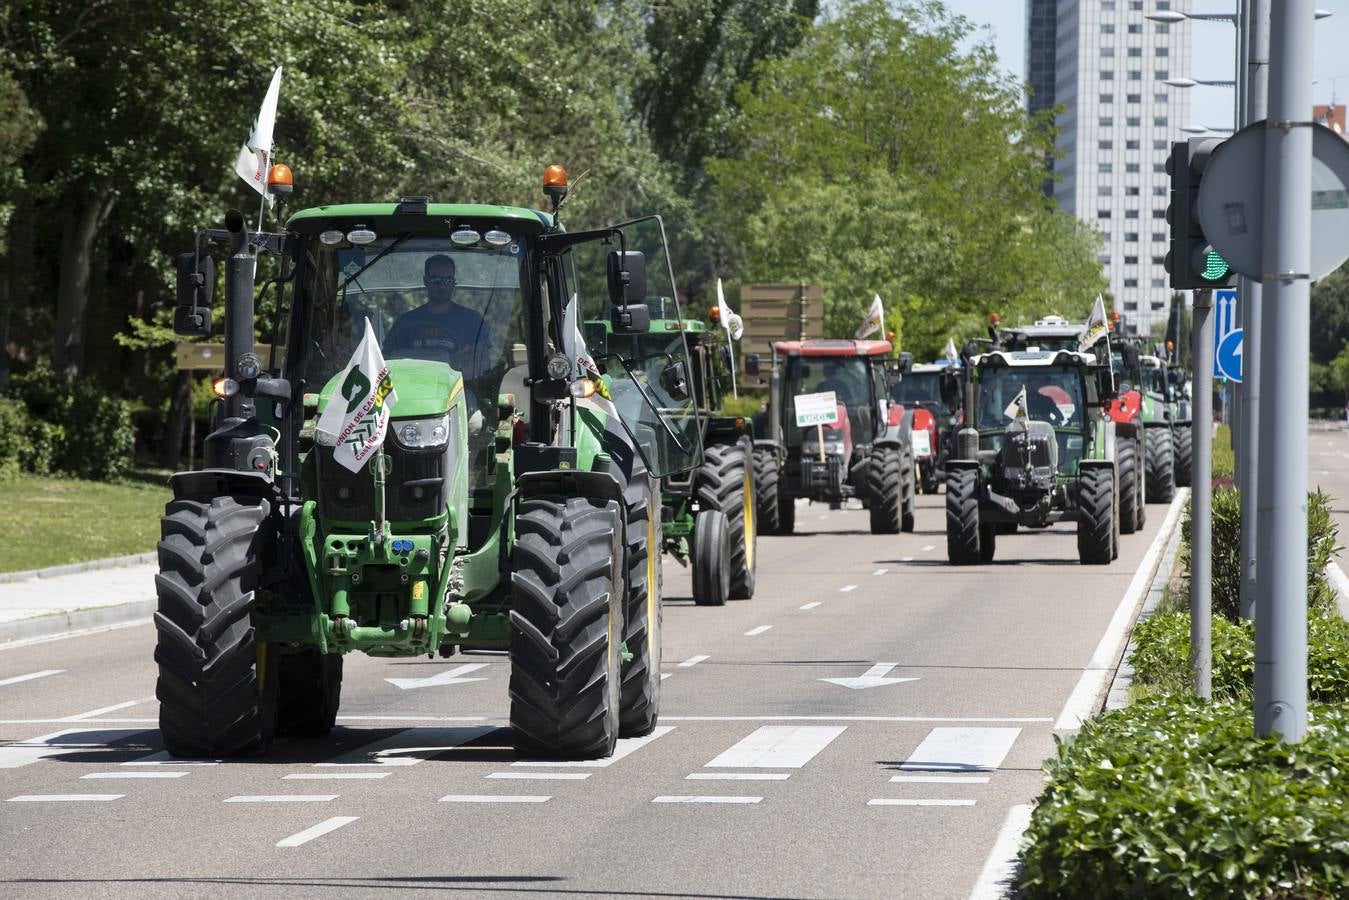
[{"x": 1109, "y": 67}]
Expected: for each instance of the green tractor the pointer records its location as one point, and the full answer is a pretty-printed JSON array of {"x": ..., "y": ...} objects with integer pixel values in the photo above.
[
  {"x": 1143, "y": 393},
  {"x": 1178, "y": 388},
  {"x": 709, "y": 512},
  {"x": 513, "y": 505},
  {"x": 1036, "y": 448}
]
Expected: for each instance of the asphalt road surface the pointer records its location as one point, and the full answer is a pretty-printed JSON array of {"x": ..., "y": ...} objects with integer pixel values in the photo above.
[{"x": 861, "y": 728}]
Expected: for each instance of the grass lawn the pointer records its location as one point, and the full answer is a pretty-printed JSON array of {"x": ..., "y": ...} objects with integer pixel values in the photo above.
[{"x": 53, "y": 521}]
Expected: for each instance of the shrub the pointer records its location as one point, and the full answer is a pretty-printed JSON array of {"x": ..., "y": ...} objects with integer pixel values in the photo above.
[
  {"x": 746, "y": 405},
  {"x": 77, "y": 428},
  {"x": 27, "y": 444},
  {"x": 1174, "y": 797},
  {"x": 1224, "y": 460}
]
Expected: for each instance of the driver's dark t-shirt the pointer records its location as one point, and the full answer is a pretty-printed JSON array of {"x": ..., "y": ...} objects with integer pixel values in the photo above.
[{"x": 458, "y": 332}]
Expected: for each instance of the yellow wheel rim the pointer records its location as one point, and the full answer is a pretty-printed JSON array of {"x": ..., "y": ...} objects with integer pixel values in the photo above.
[
  {"x": 749, "y": 522},
  {"x": 651, "y": 599}
]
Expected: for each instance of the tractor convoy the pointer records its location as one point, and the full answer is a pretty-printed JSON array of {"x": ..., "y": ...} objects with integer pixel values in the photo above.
[{"x": 478, "y": 431}]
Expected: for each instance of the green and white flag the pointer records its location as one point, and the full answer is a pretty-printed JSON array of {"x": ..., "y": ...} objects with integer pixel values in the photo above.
[
  {"x": 356, "y": 418},
  {"x": 874, "y": 322},
  {"x": 950, "y": 353},
  {"x": 255, "y": 156},
  {"x": 1017, "y": 408},
  {"x": 1096, "y": 327}
]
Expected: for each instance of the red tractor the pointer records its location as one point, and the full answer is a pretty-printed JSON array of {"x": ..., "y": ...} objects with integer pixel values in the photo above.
[{"x": 859, "y": 443}]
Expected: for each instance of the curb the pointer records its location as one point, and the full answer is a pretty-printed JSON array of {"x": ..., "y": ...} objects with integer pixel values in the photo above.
[
  {"x": 68, "y": 624},
  {"x": 1118, "y": 696},
  {"x": 114, "y": 562}
]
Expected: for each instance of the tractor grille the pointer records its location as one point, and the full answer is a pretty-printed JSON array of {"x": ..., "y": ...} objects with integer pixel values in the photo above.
[{"x": 415, "y": 485}]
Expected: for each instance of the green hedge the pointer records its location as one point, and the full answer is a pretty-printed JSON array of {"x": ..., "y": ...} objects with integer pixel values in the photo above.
[
  {"x": 51, "y": 424},
  {"x": 1174, "y": 797}
]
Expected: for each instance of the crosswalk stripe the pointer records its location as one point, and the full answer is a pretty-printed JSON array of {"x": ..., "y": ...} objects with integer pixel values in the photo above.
[
  {"x": 626, "y": 747},
  {"x": 335, "y": 776},
  {"x": 24, "y": 753},
  {"x": 738, "y": 776},
  {"x": 778, "y": 747},
  {"x": 685, "y": 798},
  {"x": 411, "y": 746},
  {"x": 939, "y": 779},
  {"x": 131, "y": 775},
  {"x": 889, "y": 801},
  {"x": 961, "y": 750},
  {"x": 542, "y": 776},
  {"x": 281, "y": 798},
  {"x": 494, "y": 798}
]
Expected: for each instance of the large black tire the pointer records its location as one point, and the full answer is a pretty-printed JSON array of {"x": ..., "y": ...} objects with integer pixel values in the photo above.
[
  {"x": 988, "y": 542},
  {"x": 639, "y": 702},
  {"x": 711, "y": 552},
  {"x": 885, "y": 490},
  {"x": 1096, "y": 516},
  {"x": 786, "y": 513},
  {"x": 309, "y": 692},
  {"x": 726, "y": 482},
  {"x": 908, "y": 519},
  {"x": 216, "y": 689},
  {"x": 963, "y": 545},
  {"x": 1126, "y": 461},
  {"x": 1182, "y": 438},
  {"x": 1161, "y": 465},
  {"x": 766, "y": 492},
  {"x": 567, "y": 590}
]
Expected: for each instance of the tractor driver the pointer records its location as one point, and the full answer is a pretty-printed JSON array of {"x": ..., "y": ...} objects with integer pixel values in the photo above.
[{"x": 449, "y": 330}]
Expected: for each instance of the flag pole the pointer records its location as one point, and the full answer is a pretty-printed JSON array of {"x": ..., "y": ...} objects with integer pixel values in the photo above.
[
  {"x": 378, "y": 470},
  {"x": 735, "y": 390}
]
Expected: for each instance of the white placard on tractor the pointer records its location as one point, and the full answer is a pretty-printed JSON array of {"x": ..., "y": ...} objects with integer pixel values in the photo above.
[{"x": 816, "y": 409}]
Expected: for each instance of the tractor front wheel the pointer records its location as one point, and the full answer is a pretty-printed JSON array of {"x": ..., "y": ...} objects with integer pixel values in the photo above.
[
  {"x": 726, "y": 483},
  {"x": 217, "y": 686},
  {"x": 963, "y": 534},
  {"x": 1096, "y": 509},
  {"x": 639, "y": 704},
  {"x": 711, "y": 552},
  {"x": 885, "y": 490},
  {"x": 567, "y": 590},
  {"x": 1161, "y": 465},
  {"x": 1126, "y": 460},
  {"x": 909, "y": 517},
  {"x": 1182, "y": 439},
  {"x": 766, "y": 504}
]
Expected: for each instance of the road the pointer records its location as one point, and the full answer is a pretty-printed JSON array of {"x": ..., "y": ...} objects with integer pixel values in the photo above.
[{"x": 764, "y": 778}]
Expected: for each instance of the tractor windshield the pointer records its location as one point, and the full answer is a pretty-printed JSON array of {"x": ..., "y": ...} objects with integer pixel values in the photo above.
[
  {"x": 849, "y": 377},
  {"x": 1054, "y": 394},
  {"x": 1154, "y": 380},
  {"x": 918, "y": 387}
]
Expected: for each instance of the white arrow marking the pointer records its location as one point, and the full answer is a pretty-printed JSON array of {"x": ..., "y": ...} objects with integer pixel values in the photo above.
[
  {"x": 449, "y": 676},
  {"x": 873, "y": 677}
]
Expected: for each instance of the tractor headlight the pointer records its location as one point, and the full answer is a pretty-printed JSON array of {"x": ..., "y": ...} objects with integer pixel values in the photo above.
[
  {"x": 423, "y": 434},
  {"x": 833, "y": 446}
]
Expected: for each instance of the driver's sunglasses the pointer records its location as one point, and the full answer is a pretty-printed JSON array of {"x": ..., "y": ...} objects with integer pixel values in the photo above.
[{"x": 440, "y": 281}]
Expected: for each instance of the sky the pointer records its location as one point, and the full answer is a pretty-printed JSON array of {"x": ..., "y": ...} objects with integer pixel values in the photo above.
[{"x": 1211, "y": 46}]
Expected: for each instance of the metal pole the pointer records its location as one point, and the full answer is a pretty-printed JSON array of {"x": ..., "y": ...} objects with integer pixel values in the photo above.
[
  {"x": 1281, "y": 592},
  {"x": 1250, "y": 295},
  {"x": 1201, "y": 497}
]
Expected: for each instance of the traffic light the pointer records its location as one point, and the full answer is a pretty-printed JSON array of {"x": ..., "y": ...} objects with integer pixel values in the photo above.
[{"x": 1192, "y": 261}]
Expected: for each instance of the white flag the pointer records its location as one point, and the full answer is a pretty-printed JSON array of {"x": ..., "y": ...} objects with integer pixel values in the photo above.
[
  {"x": 357, "y": 416},
  {"x": 734, "y": 325},
  {"x": 874, "y": 320},
  {"x": 952, "y": 356},
  {"x": 571, "y": 319},
  {"x": 1017, "y": 408},
  {"x": 255, "y": 157},
  {"x": 1096, "y": 327}
]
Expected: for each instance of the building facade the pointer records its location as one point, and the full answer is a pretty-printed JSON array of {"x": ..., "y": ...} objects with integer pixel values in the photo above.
[{"x": 1110, "y": 66}]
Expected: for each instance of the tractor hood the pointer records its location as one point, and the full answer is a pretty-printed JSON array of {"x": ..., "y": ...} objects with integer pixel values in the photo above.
[{"x": 424, "y": 387}]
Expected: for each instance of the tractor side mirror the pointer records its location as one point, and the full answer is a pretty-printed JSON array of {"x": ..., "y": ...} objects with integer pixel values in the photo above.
[
  {"x": 196, "y": 282},
  {"x": 626, "y": 270},
  {"x": 1129, "y": 353},
  {"x": 634, "y": 318},
  {"x": 675, "y": 379},
  {"x": 950, "y": 388},
  {"x": 905, "y": 362},
  {"x": 751, "y": 364},
  {"x": 893, "y": 376},
  {"x": 1105, "y": 383}
]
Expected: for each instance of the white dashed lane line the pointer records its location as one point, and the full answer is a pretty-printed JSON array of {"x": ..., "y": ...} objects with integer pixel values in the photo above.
[
  {"x": 939, "y": 779},
  {"x": 319, "y": 830},
  {"x": 335, "y": 776},
  {"x": 281, "y": 798},
  {"x": 880, "y": 571},
  {"x": 542, "y": 776},
  {"x": 738, "y": 776},
  {"x": 888, "y": 801},
  {"x": 95, "y": 713},
  {"x": 929, "y": 547},
  {"x": 705, "y": 799},
  {"x": 846, "y": 588},
  {"x": 693, "y": 661},
  {"x": 810, "y": 605},
  {"x": 64, "y": 798},
  {"x": 18, "y": 679},
  {"x": 130, "y": 775},
  {"x": 494, "y": 798},
  {"x": 758, "y": 630}
]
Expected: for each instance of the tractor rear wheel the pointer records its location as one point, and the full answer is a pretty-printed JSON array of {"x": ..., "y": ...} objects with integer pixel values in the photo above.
[
  {"x": 711, "y": 552},
  {"x": 988, "y": 542},
  {"x": 909, "y": 517},
  {"x": 766, "y": 492},
  {"x": 1126, "y": 461},
  {"x": 726, "y": 482},
  {"x": 567, "y": 591},
  {"x": 639, "y": 703},
  {"x": 1096, "y": 509},
  {"x": 1161, "y": 465},
  {"x": 885, "y": 490},
  {"x": 963, "y": 545},
  {"x": 217, "y": 686},
  {"x": 1182, "y": 438},
  {"x": 310, "y": 690}
]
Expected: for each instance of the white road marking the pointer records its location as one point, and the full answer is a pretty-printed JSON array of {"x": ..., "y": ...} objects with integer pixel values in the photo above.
[
  {"x": 891, "y": 801},
  {"x": 664, "y": 675},
  {"x": 319, "y": 830},
  {"x": 705, "y": 799},
  {"x": 929, "y": 547},
  {"x": 111, "y": 775},
  {"x": 542, "y": 776},
  {"x": 281, "y": 798},
  {"x": 906, "y": 559},
  {"x": 82, "y": 632},
  {"x": 1000, "y": 866},
  {"x": 693, "y": 661},
  {"x": 494, "y": 798},
  {"x": 777, "y": 747},
  {"x": 23, "y": 753},
  {"x": 94, "y": 713},
  {"x": 18, "y": 679},
  {"x": 394, "y": 750},
  {"x": 449, "y": 676},
  {"x": 811, "y": 605},
  {"x": 857, "y": 718},
  {"x": 738, "y": 776},
  {"x": 1083, "y": 703},
  {"x": 872, "y": 677},
  {"x": 335, "y": 776},
  {"x": 758, "y": 630},
  {"x": 962, "y": 750},
  {"x": 626, "y": 747},
  {"x": 846, "y": 588},
  {"x": 823, "y": 517},
  {"x": 101, "y": 720},
  {"x": 64, "y": 798},
  {"x": 413, "y": 718},
  {"x": 940, "y": 779},
  {"x": 162, "y": 758},
  {"x": 880, "y": 571}
]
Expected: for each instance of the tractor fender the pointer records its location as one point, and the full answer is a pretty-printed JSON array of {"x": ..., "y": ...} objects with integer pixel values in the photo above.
[
  {"x": 898, "y": 425},
  {"x": 953, "y": 465},
  {"x": 765, "y": 445},
  {"x": 1096, "y": 464},
  {"x": 569, "y": 483},
  {"x": 223, "y": 482}
]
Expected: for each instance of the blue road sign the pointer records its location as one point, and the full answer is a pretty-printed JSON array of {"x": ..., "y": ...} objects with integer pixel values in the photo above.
[{"x": 1227, "y": 361}]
